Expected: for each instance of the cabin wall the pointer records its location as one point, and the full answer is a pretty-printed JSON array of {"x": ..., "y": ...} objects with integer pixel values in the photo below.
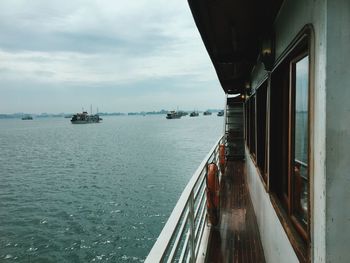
[
  {"x": 273, "y": 238},
  {"x": 259, "y": 74},
  {"x": 292, "y": 17},
  {"x": 338, "y": 131}
]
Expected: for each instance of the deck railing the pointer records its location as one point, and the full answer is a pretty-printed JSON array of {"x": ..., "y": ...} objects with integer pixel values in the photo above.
[{"x": 182, "y": 236}]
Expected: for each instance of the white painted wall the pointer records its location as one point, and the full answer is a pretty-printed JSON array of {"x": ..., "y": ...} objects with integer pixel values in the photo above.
[
  {"x": 338, "y": 132},
  {"x": 277, "y": 247}
]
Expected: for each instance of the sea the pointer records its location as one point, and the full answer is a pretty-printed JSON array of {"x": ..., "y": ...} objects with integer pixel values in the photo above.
[{"x": 95, "y": 192}]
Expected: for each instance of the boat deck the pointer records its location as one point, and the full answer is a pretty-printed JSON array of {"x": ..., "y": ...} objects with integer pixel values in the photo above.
[{"x": 236, "y": 238}]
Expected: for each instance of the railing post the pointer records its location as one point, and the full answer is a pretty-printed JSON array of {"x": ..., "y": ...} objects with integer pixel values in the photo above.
[
  {"x": 192, "y": 229},
  {"x": 175, "y": 234}
]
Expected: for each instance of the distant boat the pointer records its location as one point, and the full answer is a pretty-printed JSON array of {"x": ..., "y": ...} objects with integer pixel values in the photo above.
[
  {"x": 27, "y": 117},
  {"x": 221, "y": 113},
  {"x": 207, "y": 113},
  {"x": 194, "y": 114},
  {"x": 173, "y": 115},
  {"x": 84, "y": 118}
]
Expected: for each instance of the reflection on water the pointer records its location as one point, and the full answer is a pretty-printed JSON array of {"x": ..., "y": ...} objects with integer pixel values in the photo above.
[
  {"x": 301, "y": 139},
  {"x": 98, "y": 192}
]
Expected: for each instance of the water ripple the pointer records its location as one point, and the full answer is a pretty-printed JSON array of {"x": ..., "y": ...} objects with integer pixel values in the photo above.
[{"x": 94, "y": 193}]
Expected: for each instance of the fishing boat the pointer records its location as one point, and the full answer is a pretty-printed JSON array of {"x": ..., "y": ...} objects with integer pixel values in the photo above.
[
  {"x": 85, "y": 118},
  {"x": 173, "y": 115},
  {"x": 194, "y": 114},
  {"x": 220, "y": 113},
  {"x": 283, "y": 174},
  {"x": 207, "y": 113}
]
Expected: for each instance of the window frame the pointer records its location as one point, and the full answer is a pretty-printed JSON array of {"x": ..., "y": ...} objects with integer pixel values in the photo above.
[
  {"x": 300, "y": 238},
  {"x": 261, "y": 126},
  {"x": 291, "y": 159},
  {"x": 252, "y": 125}
]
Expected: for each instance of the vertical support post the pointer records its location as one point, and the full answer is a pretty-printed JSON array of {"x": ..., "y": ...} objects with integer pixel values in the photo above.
[
  {"x": 267, "y": 129},
  {"x": 192, "y": 228},
  {"x": 225, "y": 113}
]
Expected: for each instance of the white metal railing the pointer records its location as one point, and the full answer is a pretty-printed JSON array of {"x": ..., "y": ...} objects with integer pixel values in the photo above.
[
  {"x": 302, "y": 169},
  {"x": 181, "y": 237}
]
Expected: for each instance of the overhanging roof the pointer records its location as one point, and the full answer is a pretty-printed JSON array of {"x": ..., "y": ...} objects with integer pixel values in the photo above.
[{"x": 232, "y": 31}]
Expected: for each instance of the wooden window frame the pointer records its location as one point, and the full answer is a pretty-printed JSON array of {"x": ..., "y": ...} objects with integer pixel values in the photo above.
[{"x": 299, "y": 237}]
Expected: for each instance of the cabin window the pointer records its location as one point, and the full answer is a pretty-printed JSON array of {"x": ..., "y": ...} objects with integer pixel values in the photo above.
[
  {"x": 252, "y": 131},
  {"x": 261, "y": 128},
  {"x": 289, "y": 138},
  {"x": 300, "y": 111},
  {"x": 246, "y": 121},
  {"x": 279, "y": 134},
  {"x": 255, "y": 110}
]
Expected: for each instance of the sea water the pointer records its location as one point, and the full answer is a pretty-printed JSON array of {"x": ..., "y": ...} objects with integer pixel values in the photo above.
[{"x": 95, "y": 192}]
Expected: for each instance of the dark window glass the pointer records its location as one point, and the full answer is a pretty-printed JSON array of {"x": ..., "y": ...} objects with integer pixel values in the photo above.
[
  {"x": 278, "y": 131},
  {"x": 247, "y": 104},
  {"x": 252, "y": 131},
  {"x": 261, "y": 128}
]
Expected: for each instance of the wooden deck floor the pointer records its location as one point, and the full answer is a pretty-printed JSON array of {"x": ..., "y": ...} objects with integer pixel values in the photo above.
[{"x": 236, "y": 238}]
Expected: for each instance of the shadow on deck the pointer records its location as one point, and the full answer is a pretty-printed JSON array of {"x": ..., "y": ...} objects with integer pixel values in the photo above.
[{"x": 236, "y": 238}]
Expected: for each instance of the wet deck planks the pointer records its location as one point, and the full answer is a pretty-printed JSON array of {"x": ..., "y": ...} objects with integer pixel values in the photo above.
[{"x": 236, "y": 238}]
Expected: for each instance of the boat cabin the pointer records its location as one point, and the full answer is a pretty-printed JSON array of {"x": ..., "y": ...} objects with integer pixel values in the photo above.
[{"x": 286, "y": 65}]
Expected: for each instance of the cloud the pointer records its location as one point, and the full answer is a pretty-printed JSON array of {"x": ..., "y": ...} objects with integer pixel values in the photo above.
[
  {"x": 119, "y": 45},
  {"x": 90, "y": 26}
]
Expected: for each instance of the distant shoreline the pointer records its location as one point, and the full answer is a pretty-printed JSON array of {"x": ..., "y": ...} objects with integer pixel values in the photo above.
[{"x": 62, "y": 115}]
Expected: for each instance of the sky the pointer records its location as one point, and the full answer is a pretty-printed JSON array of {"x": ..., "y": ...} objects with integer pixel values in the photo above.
[{"x": 119, "y": 56}]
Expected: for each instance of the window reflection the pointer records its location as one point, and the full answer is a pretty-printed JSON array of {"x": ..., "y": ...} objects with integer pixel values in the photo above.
[{"x": 301, "y": 78}]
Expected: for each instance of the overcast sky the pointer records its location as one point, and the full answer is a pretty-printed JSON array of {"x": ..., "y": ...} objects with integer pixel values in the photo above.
[{"x": 60, "y": 56}]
